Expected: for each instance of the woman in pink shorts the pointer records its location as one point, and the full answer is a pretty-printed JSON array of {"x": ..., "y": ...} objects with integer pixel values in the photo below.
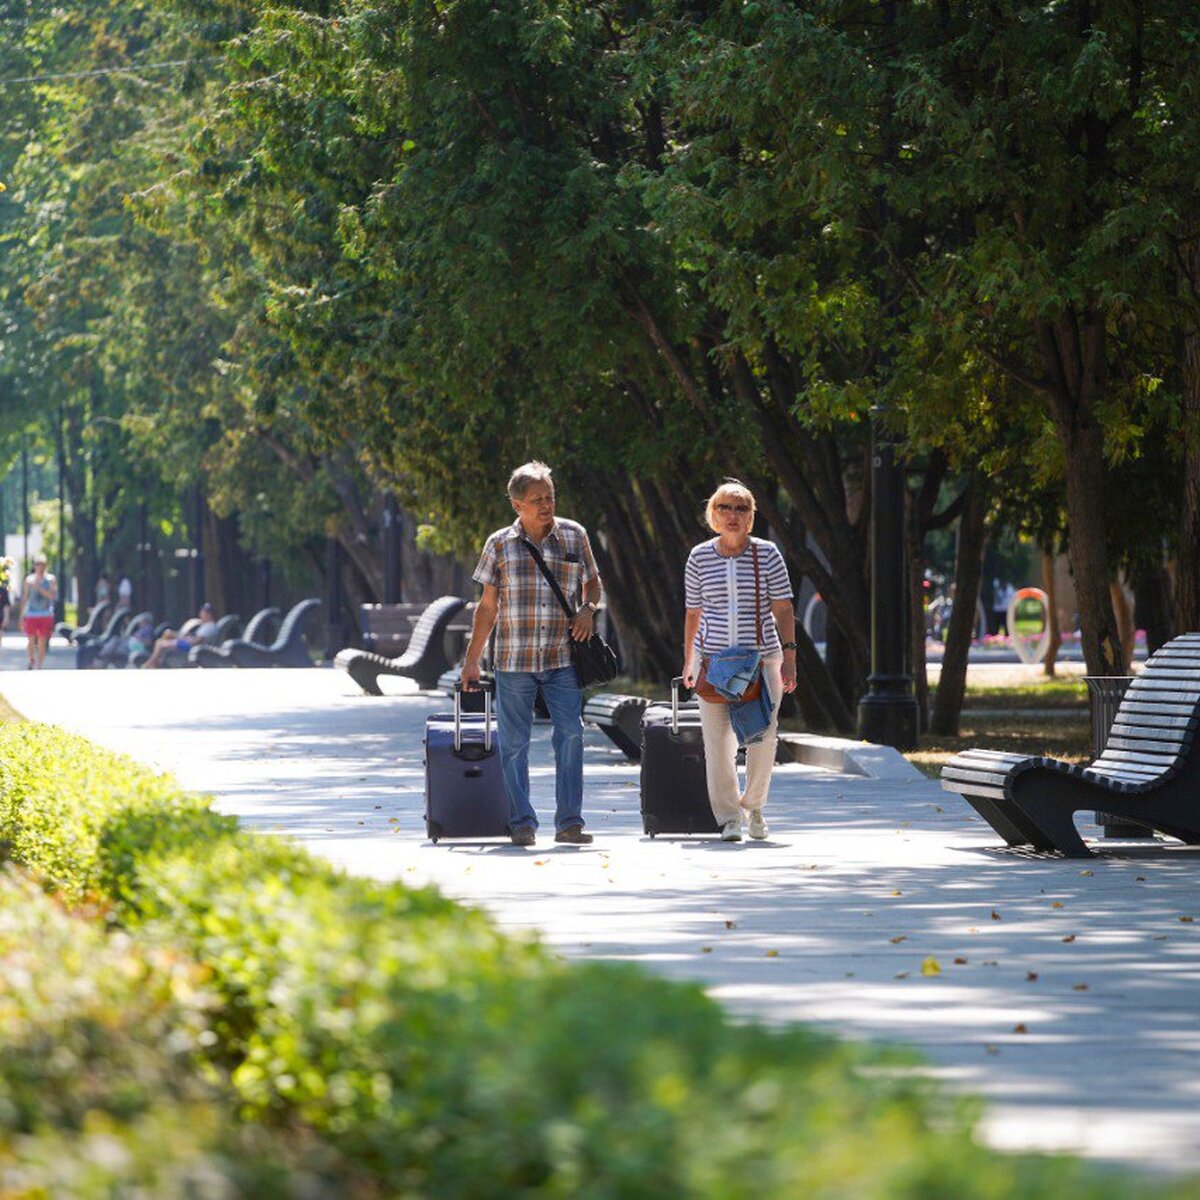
[{"x": 37, "y": 609}]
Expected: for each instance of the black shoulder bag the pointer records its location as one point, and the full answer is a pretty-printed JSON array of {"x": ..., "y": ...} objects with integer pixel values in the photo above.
[{"x": 593, "y": 660}]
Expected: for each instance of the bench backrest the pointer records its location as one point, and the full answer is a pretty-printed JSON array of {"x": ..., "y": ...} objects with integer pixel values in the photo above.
[
  {"x": 1156, "y": 722},
  {"x": 388, "y": 628},
  {"x": 258, "y": 629},
  {"x": 227, "y": 627},
  {"x": 292, "y": 627},
  {"x": 98, "y": 614},
  {"x": 432, "y": 624},
  {"x": 114, "y": 622}
]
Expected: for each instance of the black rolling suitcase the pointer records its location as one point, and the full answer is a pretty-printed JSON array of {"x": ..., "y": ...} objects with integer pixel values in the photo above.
[
  {"x": 674, "y": 787},
  {"x": 464, "y": 784}
]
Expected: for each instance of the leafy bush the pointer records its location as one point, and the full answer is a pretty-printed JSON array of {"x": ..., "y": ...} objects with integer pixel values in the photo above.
[
  {"x": 101, "y": 1039},
  {"x": 432, "y": 1056}
]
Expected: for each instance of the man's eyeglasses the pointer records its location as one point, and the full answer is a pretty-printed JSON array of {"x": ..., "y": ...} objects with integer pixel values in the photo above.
[{"x": 732, "y": 508}]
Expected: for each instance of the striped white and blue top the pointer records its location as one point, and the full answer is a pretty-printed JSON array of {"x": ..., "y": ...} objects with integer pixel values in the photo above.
[{"x": 723, "y": 588}]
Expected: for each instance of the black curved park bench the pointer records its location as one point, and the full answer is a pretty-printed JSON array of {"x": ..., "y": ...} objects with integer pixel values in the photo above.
[
  {"x": 619, "y": 717},
  {"x": 289, "y": 649},
  {"x": 1148, "y": 775},
  {"x": 87, "y": 648},
  {"x": 263, "y": 626},
  {"x": 97, "y": 617},
  {"x": 258, "y": 631},
  {"x": 114, "y": 651},
  {"x": 424, "y": 661}
]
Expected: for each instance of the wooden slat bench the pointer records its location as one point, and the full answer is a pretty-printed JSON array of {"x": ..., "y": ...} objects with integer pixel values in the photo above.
[
  {"x": 1149, "y": 773},
  {"x": 619, "y": 717},
  {"x": 424, "y": 660},
  {"x": 388, "y": 628}
]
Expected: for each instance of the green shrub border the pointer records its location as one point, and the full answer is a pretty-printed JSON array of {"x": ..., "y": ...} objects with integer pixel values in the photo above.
[{"x": 434, "y": 1056}]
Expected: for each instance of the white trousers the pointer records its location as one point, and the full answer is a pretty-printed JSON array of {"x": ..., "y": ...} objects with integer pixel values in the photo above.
[{"x": 725, "y": 795}]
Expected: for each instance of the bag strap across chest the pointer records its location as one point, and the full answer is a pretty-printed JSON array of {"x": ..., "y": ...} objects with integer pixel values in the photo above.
[{"x": 545, "y": 570}]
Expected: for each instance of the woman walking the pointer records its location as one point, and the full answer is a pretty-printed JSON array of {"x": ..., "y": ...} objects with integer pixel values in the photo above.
[
  {"x": 739, "y": 599},
  {"x": 37, "y": 598}
]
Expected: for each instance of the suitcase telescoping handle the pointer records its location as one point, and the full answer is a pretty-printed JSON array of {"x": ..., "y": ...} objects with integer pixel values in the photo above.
[
  {"x": 487, "y": 687},
  {"x": 676, "y": 684}
]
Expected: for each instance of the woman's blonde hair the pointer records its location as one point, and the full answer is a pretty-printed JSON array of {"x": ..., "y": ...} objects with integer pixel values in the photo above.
[{"x": 729, "y": 489}]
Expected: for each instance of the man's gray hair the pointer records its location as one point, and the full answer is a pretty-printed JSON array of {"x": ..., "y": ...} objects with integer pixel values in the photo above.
[{"x": 524, "y": 477}]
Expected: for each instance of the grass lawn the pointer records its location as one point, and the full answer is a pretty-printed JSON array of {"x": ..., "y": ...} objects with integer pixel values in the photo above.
[{"x": 1038, "y": 716}]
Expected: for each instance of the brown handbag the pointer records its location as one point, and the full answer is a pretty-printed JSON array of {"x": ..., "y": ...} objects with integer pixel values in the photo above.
[{"x": 703, "y": 688}]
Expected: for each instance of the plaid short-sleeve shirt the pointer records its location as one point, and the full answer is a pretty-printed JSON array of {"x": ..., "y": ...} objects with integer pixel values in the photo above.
[{"x": 532, "y": 631}]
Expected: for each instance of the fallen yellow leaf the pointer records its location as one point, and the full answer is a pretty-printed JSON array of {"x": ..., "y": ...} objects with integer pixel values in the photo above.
[
  {"x": 772, "y": 953},
  {"x": 931, "y": 966},
  {"x": 1057, "y": 904}
]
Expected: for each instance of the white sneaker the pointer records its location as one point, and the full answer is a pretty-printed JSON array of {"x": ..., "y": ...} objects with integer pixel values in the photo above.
[
  {"x": 731, "y": 831},
  {"x": 758, "y": 827}
]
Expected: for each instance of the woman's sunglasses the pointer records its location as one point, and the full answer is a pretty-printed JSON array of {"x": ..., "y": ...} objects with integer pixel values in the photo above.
[{"x": 732, "y": 508}]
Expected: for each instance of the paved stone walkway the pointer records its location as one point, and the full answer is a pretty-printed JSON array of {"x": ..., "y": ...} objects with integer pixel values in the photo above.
[{"x": 1068, "y": 993}]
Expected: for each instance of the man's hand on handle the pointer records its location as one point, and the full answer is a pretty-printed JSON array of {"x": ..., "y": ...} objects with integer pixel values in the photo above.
[{"x": 470, "y": 675}]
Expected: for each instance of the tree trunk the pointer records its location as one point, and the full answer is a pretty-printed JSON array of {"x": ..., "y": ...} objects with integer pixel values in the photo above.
[
  {"x": 1051, "y": 589},
  {"x": 1123, "y": 615},
  {"x": 1073, "y": 354},
  {"x": 1152, "y": 603},
  {"x": 1187, "y": 576},
  {"x": 968, "y": 572}
]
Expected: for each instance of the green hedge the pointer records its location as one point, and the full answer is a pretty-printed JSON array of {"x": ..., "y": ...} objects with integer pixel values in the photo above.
[
  {"x": 425, "y": 1054},
  {"x": 103, "y": 1084}
]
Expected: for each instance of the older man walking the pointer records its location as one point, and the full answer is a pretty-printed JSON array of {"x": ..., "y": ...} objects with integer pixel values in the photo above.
[{"x": 533, "y": 647}]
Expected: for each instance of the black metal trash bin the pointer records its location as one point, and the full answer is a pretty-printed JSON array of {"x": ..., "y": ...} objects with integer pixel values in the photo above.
[{"x": 1105, "y": 693}]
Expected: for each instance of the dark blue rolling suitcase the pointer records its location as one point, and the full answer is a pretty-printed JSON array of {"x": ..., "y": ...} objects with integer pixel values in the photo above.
[
  {"x": 464, "y": 784},
  {"x": 674, "y": 785}
]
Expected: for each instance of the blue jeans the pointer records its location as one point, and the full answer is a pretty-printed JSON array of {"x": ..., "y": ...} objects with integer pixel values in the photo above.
[{"x": 515, "y": 695}]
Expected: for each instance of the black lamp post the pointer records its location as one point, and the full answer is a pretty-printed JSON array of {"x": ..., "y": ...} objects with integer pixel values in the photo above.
[
  {"x": 391, "y": 550},
  {"x": 334, "y": 636},
  {"x": 62, "y": 521},
  {"x": 888, "y": 713}
]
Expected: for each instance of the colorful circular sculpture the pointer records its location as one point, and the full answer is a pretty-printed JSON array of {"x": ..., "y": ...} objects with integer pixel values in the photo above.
[{"x": 1029, "y": 624}]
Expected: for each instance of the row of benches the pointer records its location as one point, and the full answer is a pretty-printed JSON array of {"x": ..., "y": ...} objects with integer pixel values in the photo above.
[{"x": 266, "y": 641}]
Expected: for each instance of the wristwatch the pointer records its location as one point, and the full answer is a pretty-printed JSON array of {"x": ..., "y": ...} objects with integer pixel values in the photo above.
[
  {"x": 789, "y": 646},
  {"x": 592, "y": 605}
]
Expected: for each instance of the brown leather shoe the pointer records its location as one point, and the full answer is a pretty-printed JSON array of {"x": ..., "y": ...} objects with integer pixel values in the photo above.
[
  {"x": 526, "y": 835},
  {"x": 574, "y": 835}
]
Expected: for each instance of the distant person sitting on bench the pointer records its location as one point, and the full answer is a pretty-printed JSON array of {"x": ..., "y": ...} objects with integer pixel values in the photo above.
[{"x": 173, "y": 639}]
